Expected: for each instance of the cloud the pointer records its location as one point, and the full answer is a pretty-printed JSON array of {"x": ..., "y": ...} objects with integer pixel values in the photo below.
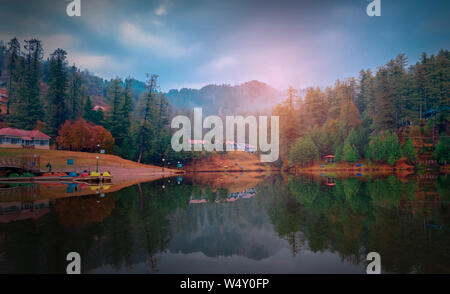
[
  {"x": 104, "y": 65},
  {"x": 216, "y": 68},
  {"x": 52, "y": 42},
  {"x": 161, "y": 10},
  {"x": 131, "y": 35},
  {"x": 222, "y": 63},
  {"x": 274, "y": 65}
]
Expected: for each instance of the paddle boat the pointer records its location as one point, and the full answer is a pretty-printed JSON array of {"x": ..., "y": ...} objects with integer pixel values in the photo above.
[
  {"x": 94, "y": 176},
  {"x": 106, "y": 177}
]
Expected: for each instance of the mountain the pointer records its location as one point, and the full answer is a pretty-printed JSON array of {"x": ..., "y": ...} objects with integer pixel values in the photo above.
[{"x": 226, "y": 99}]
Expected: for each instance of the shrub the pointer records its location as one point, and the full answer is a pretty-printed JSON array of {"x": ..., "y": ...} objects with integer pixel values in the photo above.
[
  {"x": 442, "y": 151},
  {"x": 304, "y": 151},
  {"x": 338, "y": 156},
  {"x": 385, "y": 147},
  {"x": 350, "y": 153},
  {"x": 409, "y": 151},
  {"x": 393, "y": 148}
]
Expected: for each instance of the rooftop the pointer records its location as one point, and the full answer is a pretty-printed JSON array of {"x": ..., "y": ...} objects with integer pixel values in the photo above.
[{"x": 23, "y": 133}]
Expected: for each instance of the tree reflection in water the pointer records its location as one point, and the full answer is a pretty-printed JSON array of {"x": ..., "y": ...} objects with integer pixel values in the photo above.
[{"x": 405, "y": 220}]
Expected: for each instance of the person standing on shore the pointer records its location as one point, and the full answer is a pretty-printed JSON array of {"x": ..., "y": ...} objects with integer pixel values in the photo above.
[{"x": 49, "y": 167}]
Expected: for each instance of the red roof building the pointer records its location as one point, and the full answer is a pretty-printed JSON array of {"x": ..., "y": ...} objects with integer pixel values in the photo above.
[
  {"x": 329, "y": 158},
  {"x": 97, "y": 107},
  {"x": 3, "y": 100},
  {"x": 16, "y": 138}
]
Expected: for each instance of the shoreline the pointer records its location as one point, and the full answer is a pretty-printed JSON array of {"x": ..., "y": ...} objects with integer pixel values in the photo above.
[
  {"x": 122, "y": 178},
  {"x": 132, "y": 175}
]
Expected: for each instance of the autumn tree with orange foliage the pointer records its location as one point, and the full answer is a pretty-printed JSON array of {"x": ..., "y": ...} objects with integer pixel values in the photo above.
[
  {"x": 349, "y": 116},
  {"x": 84, "y": 136}
]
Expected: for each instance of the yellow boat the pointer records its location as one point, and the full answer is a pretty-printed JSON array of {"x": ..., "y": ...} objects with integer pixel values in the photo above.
[
  {"x": 106, "y": 176},
  {"x": 94, "y": 174}
]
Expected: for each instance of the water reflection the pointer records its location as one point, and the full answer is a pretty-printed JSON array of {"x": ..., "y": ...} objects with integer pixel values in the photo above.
[{"x": 217, "y": 223}]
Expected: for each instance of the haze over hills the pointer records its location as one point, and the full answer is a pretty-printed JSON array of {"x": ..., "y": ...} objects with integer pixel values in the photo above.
[{"x": 226, "y": 99}]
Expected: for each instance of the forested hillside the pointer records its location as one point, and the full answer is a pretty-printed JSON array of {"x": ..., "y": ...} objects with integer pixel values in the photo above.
[
  {"x": 401, "y": 110},
  {"x": 397, "y": 111},
  {"x": 59, "y": 99}
]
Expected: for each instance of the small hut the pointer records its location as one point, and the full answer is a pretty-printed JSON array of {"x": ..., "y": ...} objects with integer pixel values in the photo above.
[{"x": 329, "y": 159}]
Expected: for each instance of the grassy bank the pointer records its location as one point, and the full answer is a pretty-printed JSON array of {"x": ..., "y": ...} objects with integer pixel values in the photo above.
[{"x": 58, "y": 158}]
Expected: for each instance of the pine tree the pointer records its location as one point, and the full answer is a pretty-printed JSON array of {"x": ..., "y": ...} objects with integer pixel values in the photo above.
[
  {"x": 303, "y": 152},
  {"x": 393, "y": 148},
  {"x": 314, "y": 107},
  {"x": 99, "y": 117},
  {"x": 398, "y": 79},
  {"x": 442, "y": 151},
  {"x": 364, "y": 97},
  {"x": 322, "y": 140},
  {"x": 114, "y": 119},
  {"x": 25, "y": 78},
  {"x": 348, "y": 118},
  {"x": 409, "y": 151},
  {"x": 76, "y": 93},
  {"x": 88, "y": 112},
  {"x": 128, "y": 105},
  {"x": 145, "y": 132},
  {"x": 12, "y": 69},
  {"x": 421, "y": 76},
  {"x": 359, "y": 139},
  {"x": 339, "y": 156},
  {"x": 57, "y": 92},
  {"x": 2, "y": 56},
  {"x": 161, "y": 141},
  {"x": 126, "y": 149},
  {"x": 33, "y": 110},
  {"x": 350, "y": 153},
  {"x": 290, "y": 125},
  {"x": 19, "y": 94},
  {"x": 384, "y": 112},
  {"x": 376, "y": 150}
]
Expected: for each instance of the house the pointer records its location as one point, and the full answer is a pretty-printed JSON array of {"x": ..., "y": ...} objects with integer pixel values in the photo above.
[
  {"x": 3, "y": 100},
  {"x": 98, "y": 107},
  {"x": 15, "y": 138},
  {"x": 230, "y": 145}
]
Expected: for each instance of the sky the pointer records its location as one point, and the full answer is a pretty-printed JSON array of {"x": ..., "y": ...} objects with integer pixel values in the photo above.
[{"x": 192, "y": 43}]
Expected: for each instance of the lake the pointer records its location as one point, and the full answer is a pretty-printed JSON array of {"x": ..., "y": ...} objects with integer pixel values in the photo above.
[{"x": 230, "y": 223}]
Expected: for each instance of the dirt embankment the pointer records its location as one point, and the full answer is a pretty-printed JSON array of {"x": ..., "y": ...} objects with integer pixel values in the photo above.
[
  {"x": 235, "y": 161},
  {"x": 123, "y": 170}
]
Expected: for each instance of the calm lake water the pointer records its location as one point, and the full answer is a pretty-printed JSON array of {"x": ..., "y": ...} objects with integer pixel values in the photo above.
[{"x": 230, "y": 223}]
